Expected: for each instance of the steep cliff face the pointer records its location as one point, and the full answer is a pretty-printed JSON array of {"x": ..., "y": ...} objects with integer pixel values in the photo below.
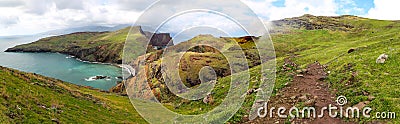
[
  {"x": 310, "y": 22},
  {"x": 194, "y": 59},
  {"x": 105, "y": 47}
]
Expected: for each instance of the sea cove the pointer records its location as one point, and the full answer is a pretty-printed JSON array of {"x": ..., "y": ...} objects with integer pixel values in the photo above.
[{"x": 57, "y": 65}]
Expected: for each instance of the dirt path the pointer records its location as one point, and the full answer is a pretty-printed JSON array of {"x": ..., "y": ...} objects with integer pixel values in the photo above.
[{"x": 307, "y": 89}]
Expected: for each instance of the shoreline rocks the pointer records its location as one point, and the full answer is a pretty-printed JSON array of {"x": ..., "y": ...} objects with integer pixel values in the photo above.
[{"x": 98, "y": 77}]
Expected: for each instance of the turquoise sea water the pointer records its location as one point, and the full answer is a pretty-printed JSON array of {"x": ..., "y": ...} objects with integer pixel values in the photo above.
[{"x": 57, "y": 65}]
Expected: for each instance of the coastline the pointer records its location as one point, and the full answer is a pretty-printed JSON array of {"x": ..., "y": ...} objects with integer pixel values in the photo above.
[
  {"x": 67, "y": 56},
  {"x": 76, "y": 58},
  {"x": 102, "y": 63},
  {"x": 51, "y": 78}
]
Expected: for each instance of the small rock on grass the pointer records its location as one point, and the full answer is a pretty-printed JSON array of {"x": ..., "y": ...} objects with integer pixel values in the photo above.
[
  {"x": 382, "y": 58},
  {"x": 370, "y": 97},
  {"x": 361, "y": 105},
  {"x": 55, "y": 120}
]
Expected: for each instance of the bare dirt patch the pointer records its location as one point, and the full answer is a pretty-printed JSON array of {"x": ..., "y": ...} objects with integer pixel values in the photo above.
[{"x": 308, "y": 90}]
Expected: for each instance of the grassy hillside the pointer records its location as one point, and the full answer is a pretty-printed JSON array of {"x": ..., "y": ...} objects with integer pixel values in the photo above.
[
  {"x": 103, "y": 47},
  {"x": 303, "y": 40},
  {"x": 307, "y": 39},
  {"x": 355, "y": 75},
  {"x": 31, "y": 98}
]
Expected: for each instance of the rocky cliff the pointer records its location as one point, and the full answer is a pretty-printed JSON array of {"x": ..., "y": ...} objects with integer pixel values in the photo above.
[
  {"x": 194, "y": 59},
  {"x": 105, "y": 47}
]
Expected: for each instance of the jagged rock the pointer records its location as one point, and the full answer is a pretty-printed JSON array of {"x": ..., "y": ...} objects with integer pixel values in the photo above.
[
  {"x": 208, "y": 99},
  {"x": 370, "y": 97},
  {"x": 351, "y": 50},
  {"x": 382, "y": 58},
  {"x": 119, "y": 88},
  {"x": 101, "y": 77},
  {"x": 98, "y": 77}
]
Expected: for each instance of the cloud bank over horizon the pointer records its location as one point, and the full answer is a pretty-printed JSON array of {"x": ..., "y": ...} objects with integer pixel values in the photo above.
[{"x": 23, "y": 17}]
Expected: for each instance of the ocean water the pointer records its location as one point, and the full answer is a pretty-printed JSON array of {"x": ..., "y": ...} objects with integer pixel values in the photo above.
[{"x": 57, "y": 65}]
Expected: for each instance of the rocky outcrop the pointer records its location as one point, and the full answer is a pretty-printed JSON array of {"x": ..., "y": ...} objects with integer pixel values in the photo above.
[
  {"x": 104, "y": 47},
  {"x": 101, "y": 53},
  {"x": 78, "y": 45},
  {"x": 192, "y": 61},
  {"x": 310, "y": 22},
  {"x": 119, "y": 88}
]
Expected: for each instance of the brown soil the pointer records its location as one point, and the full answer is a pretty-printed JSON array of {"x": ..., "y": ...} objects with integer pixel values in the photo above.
[{"x": 307, "y": 88}]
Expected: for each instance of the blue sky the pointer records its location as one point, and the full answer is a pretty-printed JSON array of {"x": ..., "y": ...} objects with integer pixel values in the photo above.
[
  {"x": 21, "y": 17},
  {"x": 355, "y": 7},
  {"x": 350, "y": 5}
]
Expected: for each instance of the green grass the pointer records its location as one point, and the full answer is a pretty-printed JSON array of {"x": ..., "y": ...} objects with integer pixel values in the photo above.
[
  {"x": 106, "y": 47},
  {"x": 30, "y": 98},
  {"x": 369, "y": 37},
  {"x": 329, "y": 46}
]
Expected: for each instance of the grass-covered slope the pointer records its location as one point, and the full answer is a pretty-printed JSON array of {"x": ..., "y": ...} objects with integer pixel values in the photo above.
[
  {"x": 103, "y": 47},
  {"x": 328, "y": 40},
  {"x": 304, "y": 40},
  {"x": 31, "y": 98},
  {"x": 355, "y": 75}
]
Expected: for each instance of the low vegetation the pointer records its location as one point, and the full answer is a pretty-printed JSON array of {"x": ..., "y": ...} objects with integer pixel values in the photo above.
[
  {"x": 347, "y": 45},
  {"x": 103, "y": 47},
  {"x": 31, "y": 98}
]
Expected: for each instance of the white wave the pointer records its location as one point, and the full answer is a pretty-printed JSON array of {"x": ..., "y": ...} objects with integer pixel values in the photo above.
[{"x": 91, "y": 78}]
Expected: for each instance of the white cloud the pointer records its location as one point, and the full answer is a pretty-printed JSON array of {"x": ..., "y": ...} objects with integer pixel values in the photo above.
[
  {"x": 7, "y": 21},
  {"x": 208, "y": 16},
  {"x": 22, "y": 17},
  {"x": 135, "y": 5},
  {"x": 292, "y": 8},
  {"x": 35, "y": 16},
  {"x": 10, "y": 3},
  {"x": 385, "y": 9}
]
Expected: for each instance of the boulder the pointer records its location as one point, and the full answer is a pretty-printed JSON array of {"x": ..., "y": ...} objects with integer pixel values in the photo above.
[
  {"x": 382, "y": 58},
  {"x": 208, "y": 99},
  {"x": 370, "y": 97}
]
